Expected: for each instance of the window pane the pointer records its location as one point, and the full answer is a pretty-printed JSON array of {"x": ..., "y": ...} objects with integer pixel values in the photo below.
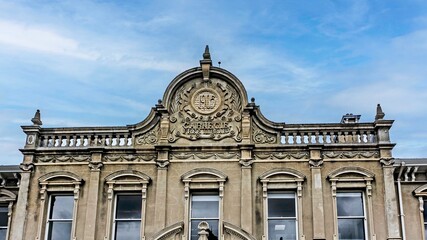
[
  {"x": 282, "y": 229},
  {"x": 204, "y": 206},
  {"x": 350, "y": 204},
  {"x": 281, "y": 205},
  {"x": 128, "y": 230},
  {"x": 3, "y": 233},
  {"x": 425, "y": 212},
  {"x": 59, "y": 231},
  {"x": 3, "y": 216},
  {"x": 351, "y": 229},
  {"x": 213, "y": 226},
  {"x": 61, "y": 207},
  {"x": 129, "y": 206}
]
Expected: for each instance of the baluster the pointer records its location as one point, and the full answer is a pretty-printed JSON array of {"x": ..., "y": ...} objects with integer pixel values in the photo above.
[
  {"x": 302, "y": 140},
  {"x": 346, "y": 137},
  {"x": 294, "y": 138},
  {"x": 324, "y": 137},
  {"x": 309, "y": 138},
  {"x": 286, "y": 138},
  {"x": 316, "y": 138}
]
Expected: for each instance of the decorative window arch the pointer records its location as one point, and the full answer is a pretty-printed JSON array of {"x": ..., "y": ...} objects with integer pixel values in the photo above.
[
  {"x": 203, "y": 179},
  {"x": 7, "y": 198},
  {"x": 126, "y": 181},
  {"x": 53, "y": 183},
  {"x": 279, "y": 180},
  {"x": 421, "y": 194},
  {"x": 349, "y": 179}
]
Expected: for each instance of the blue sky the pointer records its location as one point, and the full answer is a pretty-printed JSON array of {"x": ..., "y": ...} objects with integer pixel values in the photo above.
[{"x": 105, "y": 63}]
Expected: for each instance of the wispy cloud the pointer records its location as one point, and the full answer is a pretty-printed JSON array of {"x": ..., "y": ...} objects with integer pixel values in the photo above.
[{"x": 42, "y": 40}]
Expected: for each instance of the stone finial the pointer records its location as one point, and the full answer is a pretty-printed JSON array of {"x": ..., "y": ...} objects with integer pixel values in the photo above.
[
  {"x": 36, "y": 119},
  {"x": 206, "y": 63},
  {"x": 206, "y": 54},
  {"x": 380, "y": 114},
  {"x": 203, "y": 228}
]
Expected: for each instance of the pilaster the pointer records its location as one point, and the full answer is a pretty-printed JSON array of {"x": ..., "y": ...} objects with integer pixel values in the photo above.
[
  {"x": 246, "y": 207},
  {"x": 162, "y": 162},
  {"x": 95, "y": 166},
  {"x": 316, "y": 163},
  {"x": 20, "y": 213}
]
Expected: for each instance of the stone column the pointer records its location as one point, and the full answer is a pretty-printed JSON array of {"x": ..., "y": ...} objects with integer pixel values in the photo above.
[
  {"x": 161, "y": 187},
  {"x": 316, "y": 163},
  {"x": 95, "y": 166},
  {"x": 390, "y": 198},
  {"x": 246, "y": 188},
  {"x": 17, "y": 228}
]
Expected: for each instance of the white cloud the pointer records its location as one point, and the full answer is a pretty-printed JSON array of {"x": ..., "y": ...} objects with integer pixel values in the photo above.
[{"x": 40, "y": 39}]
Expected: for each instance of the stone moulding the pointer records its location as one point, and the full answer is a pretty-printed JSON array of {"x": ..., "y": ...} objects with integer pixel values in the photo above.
[
  {"x": 129, "y": 157},
  {"x": 282, "y": 155},
  {"x": 148, "y": 138},
  {"x": 62, "y": 158},
  {"x": 204, "y": 155},
  {"x": 169, "y": 231},
  {"x": 237, "y": 232},
  {"x": 350, "y": 154}
]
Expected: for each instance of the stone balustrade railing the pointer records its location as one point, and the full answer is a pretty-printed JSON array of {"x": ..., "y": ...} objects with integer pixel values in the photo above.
[
  {"x": 85, "y": 137},
  {"x": 328, "y": 134}
]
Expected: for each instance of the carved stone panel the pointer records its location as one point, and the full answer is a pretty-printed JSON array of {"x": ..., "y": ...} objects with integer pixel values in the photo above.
[{"x": 209, "y": 110}]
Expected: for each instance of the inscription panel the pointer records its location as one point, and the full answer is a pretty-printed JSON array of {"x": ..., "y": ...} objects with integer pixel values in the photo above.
[{"x": 205, "y": 110}]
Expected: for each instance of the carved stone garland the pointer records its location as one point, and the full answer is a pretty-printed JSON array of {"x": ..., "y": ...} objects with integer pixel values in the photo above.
[{"x": 205, "y": 109}]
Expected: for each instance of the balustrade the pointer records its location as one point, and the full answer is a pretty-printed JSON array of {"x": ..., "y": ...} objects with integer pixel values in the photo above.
[{"x": 69, "y": 139}]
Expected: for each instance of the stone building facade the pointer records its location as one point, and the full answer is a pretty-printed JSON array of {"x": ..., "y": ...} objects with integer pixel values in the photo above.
[{"x": 206, "y": 164}]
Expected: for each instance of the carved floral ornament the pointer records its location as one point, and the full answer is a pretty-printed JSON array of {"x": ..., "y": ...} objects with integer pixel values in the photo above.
[
  {"x": 262, "y": 137},
  {"x": 205, "y": 109},
  {"x": 148, "y": 138}
]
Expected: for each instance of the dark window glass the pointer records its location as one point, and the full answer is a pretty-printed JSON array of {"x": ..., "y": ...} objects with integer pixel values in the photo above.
[
  {"x": 59, "y": 230},
  {"x": 3, "y": 233},
  {"x": 351, "y": 229},
  {"x": 128, "y": 217},
  {"x": 350, "y": 204},
  {"x": 60, "y": 217},
  {"x": 281, "y": 229},
  {"x": 3, "y": 216},
  {"x": 61, "y": 207},
  {"x": 128, "y": 230},
  {"x": 281, "y": 205},
  {"x": 425, "y": 218},
  {"x": 129, "y": 206},
  {"x": 204, "y": 207}
]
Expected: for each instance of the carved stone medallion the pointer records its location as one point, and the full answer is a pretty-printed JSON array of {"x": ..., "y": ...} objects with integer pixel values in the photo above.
[{"x": 205, "y": 110}]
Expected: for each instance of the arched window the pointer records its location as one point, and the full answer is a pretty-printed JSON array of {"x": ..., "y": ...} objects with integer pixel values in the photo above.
[
  {"x": 204, "y": 192},
  {"x": 126, "y": 206},
  {"x": 59, "y": 196},
  {"x": 282, "y": 203},
  {"x": 352, "y": 203},
  {"x": 7, "y": 199},
  {"x": 421, "y": 194}
]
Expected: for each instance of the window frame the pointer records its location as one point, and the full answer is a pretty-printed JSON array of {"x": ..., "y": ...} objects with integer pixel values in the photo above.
[
  {"x": 421, "y": 194},
  {"x": 202, "y": 193},
  {"x": 353, "y": 179},
  {"x": 363, "y": 217},
  {"x": 125, "y": 182},
  {"x": 115, "y": 219},
  {"x": 203, "y": 180},
  {"x": 294, "y": 218},
  {"x": 283, "y": 180},
  {"x": 7, "y": 200},
  {"x": 54, "y": 183},
  {"x": 49, "y": 220}
]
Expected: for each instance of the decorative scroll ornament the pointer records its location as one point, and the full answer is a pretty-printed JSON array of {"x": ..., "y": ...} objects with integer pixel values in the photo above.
[
  {"x": 282, "y": 155},
  {"x": 26, "y": 167},
  {"x": 148, "y": 138},
  {"x": 204, "y": 155},
  {"x": 205, "y": 109},
  {"x": 95, "y": 166},
  {"x": 345, "y": 154},
  {"x": 63, "y": 158},
  {"x": 315, "y": 162},
  {"x": 387, "y": 161},
  {"x": 129, "y": 158},
  {"x": 262, "y": 137}
]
